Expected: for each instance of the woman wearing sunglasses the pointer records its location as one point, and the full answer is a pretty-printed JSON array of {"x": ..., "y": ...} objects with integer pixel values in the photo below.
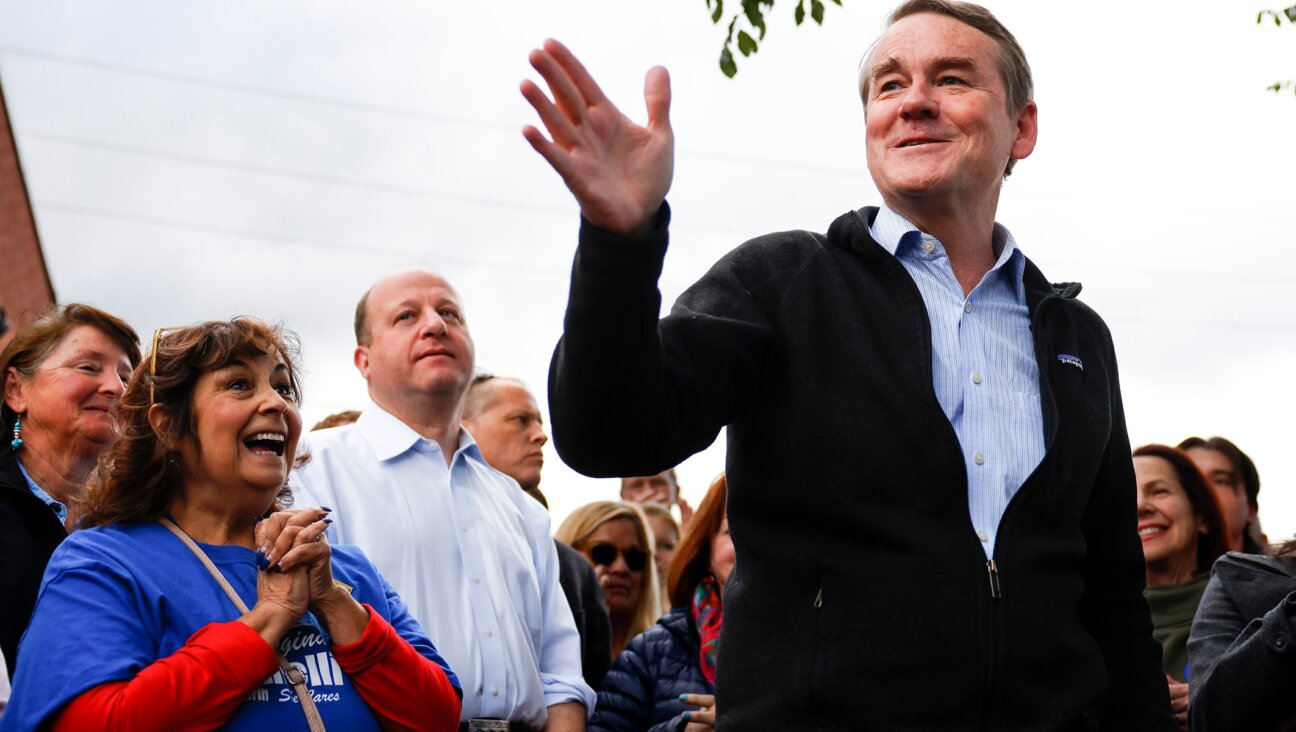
[
  {"x": 190, "y": 600},
  {"x": 614, "y": 537},
  {"x": 669, "y": 670}
]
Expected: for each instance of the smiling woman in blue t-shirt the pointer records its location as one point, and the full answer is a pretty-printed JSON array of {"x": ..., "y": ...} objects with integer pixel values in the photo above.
[{"x": 193, "y": 601}]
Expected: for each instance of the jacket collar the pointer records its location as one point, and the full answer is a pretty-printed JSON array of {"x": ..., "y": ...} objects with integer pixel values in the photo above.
[{"x": 852, "y": 229}]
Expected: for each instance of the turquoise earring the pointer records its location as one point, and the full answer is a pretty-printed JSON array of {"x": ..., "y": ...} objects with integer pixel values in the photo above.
[{"x": 17, "y": 441}]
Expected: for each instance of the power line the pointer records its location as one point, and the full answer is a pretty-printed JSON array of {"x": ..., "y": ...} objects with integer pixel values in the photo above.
[
  {"x": 280, "y": 172},
  {"x": 258, "y": 235},
  {"x": 252, "y": 89},
  {"x": 334, "y": 245},
  {"x": 475, "y": 123},
  {"x": 565, "y": 211},
  {"x": 314, "y": 242}
]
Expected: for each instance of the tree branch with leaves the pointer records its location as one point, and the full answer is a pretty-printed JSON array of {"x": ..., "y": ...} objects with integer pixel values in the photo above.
[
  {"x": 1287, "y": 15},
  {"x": 753, "y": 13}
]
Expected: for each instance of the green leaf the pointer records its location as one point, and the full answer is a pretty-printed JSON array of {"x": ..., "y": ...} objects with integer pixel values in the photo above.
[
  {"x": 838, "y": 3},
  {"x": 729, "y": 38},
  {"x": 800, "y": 12},
  {"x": 746, "y": 44},
  {"x": 816, "y": 11},
  {"x": 1290, "y": 13},
  {"x": 719, "y": 10},
  {"x": 755, "y": 15},
  {"x": 727, "y": 65},
  {"x": 1259, "y": 17}
]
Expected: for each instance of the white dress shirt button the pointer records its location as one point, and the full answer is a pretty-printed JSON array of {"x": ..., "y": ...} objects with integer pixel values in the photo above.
[
  {"x": 464, "y": 527},
  {"x": 928, "y": 247},
  {"x": 976, "y": 377},
  {"x": 983, "y": 536},
  {"x": 967, "y": 306},
  {"x": 490, "y": 634},
  {"x": 978, "y": 458},
  {"x": 476, "y": 580}
]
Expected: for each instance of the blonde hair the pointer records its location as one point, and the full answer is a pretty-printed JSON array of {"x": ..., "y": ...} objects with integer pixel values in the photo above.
[{"x": 584, "y": 521}]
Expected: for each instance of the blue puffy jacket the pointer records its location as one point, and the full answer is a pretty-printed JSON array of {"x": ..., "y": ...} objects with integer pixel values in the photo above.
[{"x": 641, "y": 692}]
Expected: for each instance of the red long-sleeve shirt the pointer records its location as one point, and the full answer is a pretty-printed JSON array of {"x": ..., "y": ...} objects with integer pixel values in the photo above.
[{"x": 202, "y": 684}]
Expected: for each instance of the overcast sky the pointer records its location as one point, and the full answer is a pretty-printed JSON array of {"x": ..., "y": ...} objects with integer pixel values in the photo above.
[{"x": 198, "y": 160}]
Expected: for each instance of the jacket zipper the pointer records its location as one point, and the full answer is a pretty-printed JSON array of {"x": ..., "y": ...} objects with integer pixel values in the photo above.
[
  {"x": 992, "y": 714},
  {"x": 993, "y": 571}
]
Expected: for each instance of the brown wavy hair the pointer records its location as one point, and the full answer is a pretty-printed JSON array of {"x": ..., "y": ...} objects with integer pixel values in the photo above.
[
  {"x": 32, "y": 344},
  {"x": 692, "y": 561},
  {"x": 141, "y": 477},
  {"x": 1214, "y": 543}
]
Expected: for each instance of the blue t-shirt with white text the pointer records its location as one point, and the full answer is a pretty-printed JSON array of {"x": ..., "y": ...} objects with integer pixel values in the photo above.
[{"x": 115, "y": 599}]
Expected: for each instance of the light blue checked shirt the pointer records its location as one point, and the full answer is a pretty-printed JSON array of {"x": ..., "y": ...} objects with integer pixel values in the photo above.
[{"x": 983, "y": 364}]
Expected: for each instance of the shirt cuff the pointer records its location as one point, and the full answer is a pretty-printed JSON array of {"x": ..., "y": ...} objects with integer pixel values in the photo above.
[
  {"x": 377, "y": 640},
  {"x": 559, "y": 689}
]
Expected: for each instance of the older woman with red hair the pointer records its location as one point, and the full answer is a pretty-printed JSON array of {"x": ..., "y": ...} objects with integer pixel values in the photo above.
[{"x": 61, "y": 378}]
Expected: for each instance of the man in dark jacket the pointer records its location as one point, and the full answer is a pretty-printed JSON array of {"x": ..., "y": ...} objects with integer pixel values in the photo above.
[{"x": 961, "y": 553}]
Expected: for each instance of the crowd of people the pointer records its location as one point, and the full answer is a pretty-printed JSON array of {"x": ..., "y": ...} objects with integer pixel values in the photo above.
[{"x": 941, "y": 521}]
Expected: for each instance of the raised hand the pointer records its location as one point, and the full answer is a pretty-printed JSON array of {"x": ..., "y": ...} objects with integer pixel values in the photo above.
[{"x": 618, "y": 171}]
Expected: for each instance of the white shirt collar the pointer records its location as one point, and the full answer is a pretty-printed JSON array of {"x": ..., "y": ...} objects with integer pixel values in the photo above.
[{"x": 391, "y": 438}]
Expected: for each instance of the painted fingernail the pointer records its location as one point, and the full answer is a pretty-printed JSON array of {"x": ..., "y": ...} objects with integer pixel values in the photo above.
[
  {"x": 683, "y": 697},
  {"x": 326, "y": 509},
  {"x": 261, "y": 562},
  {"x": 258, "y": 519},
  {"x": 687, "y": 716},
  {"x": 328, "y": 520}
]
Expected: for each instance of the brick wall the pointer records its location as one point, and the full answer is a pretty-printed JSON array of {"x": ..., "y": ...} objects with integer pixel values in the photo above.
[{"x": 25, "y": 289}]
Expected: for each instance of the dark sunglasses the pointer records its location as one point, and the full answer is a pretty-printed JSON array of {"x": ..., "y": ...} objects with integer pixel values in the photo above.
[{"x": 605, "y": 554}]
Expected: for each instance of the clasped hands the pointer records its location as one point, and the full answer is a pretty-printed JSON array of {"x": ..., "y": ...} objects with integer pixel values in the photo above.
[{"x": 296, "y": 575}]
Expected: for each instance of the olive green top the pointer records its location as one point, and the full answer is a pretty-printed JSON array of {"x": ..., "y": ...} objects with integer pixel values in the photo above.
[{"x": 1173, "y": 608}]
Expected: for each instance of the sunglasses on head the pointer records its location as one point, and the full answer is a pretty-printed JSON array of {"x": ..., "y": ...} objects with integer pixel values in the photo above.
[{"x": 605, "y": 554}]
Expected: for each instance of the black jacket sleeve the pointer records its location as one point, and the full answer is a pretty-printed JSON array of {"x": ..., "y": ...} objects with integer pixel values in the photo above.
[
  {"x": 630, "y": 396},
  {"x": 1113, "y": 607}
]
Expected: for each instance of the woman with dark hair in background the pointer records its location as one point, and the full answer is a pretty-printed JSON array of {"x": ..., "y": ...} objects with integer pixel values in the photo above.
[
  {"x": 61, "y": 379},
  {"x": 670, "y": 668},
  {"x": 143, "y": 621},
  {"x": 1183, "y": 533}
]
